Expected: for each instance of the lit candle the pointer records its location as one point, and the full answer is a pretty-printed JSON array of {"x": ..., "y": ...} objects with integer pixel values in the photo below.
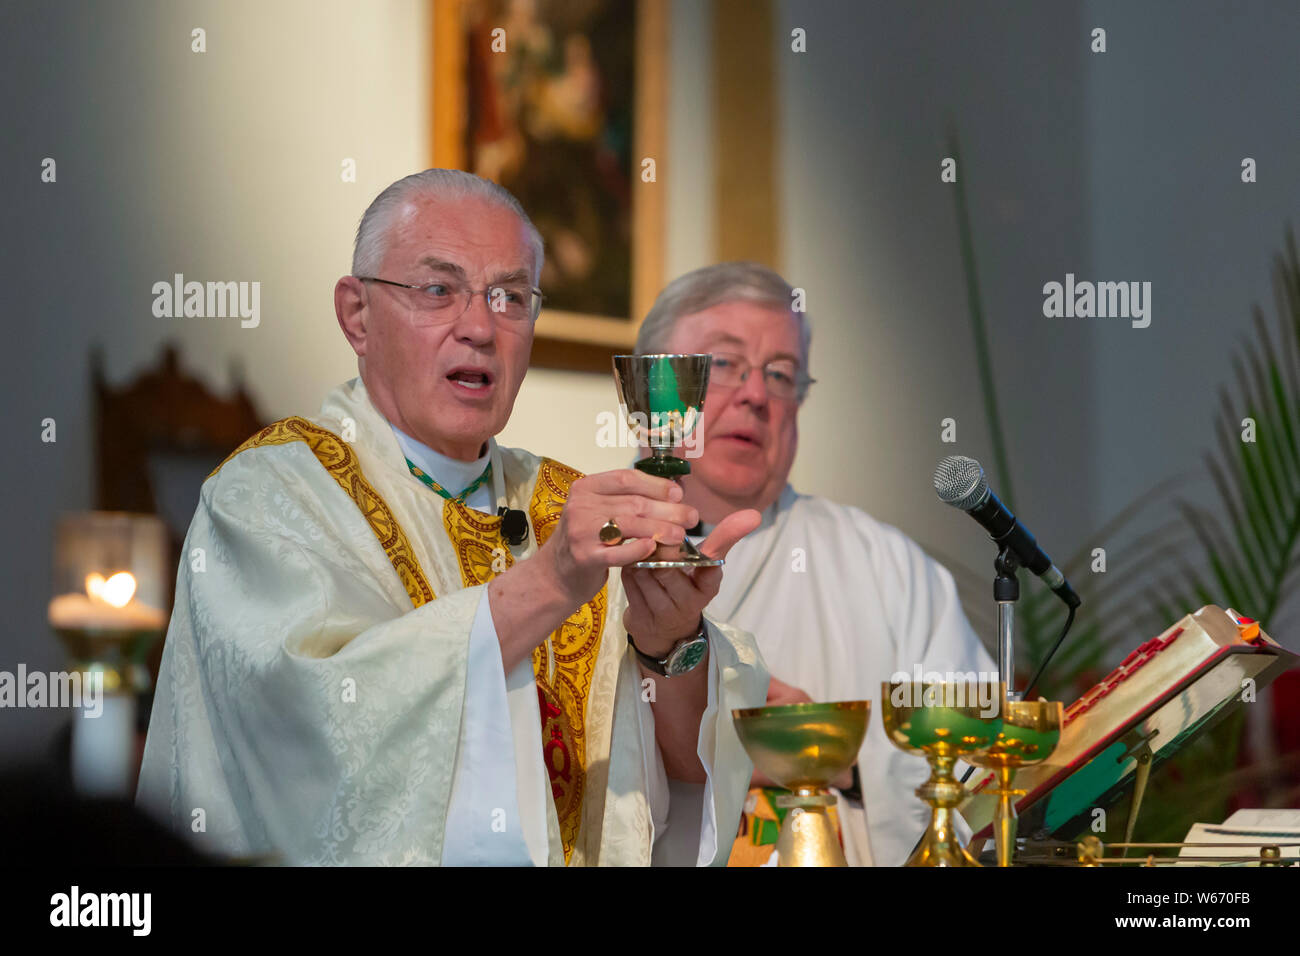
[{"x": 107, "y": 604}]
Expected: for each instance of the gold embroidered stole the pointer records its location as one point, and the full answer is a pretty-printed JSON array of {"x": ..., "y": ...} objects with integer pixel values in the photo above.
[
  {"x": 337, "y": 458},
  {"x": 564, "y": 664}
]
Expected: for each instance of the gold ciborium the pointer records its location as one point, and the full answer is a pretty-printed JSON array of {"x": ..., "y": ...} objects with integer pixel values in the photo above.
[
  {"x": 943, "y": 722},
  {"x": 664, "y": 398},
  {"x": 1030, "y": 732},
  {"x": 803, "y": 747}
]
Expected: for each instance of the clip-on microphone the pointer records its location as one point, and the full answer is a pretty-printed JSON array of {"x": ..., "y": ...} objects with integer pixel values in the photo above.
[{"x": 514, "y": 525}]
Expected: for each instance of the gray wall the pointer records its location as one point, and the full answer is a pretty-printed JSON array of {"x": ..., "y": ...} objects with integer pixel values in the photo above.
[{"x": 871, "y": 232}]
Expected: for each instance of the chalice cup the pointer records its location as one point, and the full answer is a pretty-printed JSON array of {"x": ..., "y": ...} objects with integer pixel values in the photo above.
[
  {"x": 664, "y": 399},
  {"x": 1030, "y": 732},
  {"x": 803, "y": 747},
  {"x": 944, "y": 722}
]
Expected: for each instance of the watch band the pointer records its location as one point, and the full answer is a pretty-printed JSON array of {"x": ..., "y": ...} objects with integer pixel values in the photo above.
[
  {"x": 660, "y": 667},
  {"x": 648, "y": 662}
]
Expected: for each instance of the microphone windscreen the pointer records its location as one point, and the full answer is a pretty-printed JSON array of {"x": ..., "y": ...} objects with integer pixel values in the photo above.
[
  {"x": 960, "y": 481},
  {"x": 514, "y": 525}
]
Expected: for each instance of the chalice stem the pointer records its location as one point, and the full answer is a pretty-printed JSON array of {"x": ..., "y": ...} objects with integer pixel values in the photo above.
[
  {"x": 940, "y": 845},
  {"x": 1004, "y": 818}
]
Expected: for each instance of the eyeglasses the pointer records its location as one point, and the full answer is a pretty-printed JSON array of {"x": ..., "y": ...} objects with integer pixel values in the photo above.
[
  {"x": 437, "y": 301},
  {"x": 781, "y": 377}
]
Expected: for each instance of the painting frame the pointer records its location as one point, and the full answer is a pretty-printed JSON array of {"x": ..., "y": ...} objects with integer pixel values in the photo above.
[{"x": 570, "y": 340}]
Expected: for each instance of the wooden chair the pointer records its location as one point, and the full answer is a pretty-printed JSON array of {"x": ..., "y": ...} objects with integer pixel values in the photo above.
[{"x": 157, "y": 438}]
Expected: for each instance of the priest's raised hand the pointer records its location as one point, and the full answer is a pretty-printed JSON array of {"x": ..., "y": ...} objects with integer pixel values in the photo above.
[{"x": 534, "y": 597}]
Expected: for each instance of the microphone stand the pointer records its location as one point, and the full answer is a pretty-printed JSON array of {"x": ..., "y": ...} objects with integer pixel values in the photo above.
[{"x": 1006, "y": 592}]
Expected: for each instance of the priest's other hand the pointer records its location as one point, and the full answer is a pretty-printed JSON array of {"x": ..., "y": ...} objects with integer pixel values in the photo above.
[
  {"x": 533, "y": 598},
  {"x": 780, "y": 693},
  {"x": 664, "y": 605}
]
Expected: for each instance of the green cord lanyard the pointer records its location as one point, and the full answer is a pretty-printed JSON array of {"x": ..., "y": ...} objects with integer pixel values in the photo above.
[{"x": 474, "y": 486}]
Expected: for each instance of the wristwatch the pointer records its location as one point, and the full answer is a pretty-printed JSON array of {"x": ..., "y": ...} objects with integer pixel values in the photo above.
[{"x": 684, "y": 657}]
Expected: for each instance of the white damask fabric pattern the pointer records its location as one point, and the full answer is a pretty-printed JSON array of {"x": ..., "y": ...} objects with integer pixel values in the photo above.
[{"x": 305, "y": 711}]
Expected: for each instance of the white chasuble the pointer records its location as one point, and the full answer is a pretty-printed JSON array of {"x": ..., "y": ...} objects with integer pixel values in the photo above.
[{"x": 332, "y": 690}]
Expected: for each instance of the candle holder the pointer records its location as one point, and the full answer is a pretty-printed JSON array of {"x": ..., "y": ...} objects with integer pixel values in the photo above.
[{"x": 108, "y": 610}]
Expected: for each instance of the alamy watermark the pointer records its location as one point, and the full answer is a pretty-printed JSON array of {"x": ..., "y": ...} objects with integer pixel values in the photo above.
[
  {"x": 210, "y": 300},
  {"x": 671, "y": 430},
  {"x": 55, "y": 689},
  {"x": 947, "y": 689},
  {"x": 130, "y": 910},
  {"x": 1102, "y": 300}
]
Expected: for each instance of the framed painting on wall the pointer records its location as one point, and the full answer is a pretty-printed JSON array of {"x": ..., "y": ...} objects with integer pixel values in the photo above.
[{"x": 561, "y": 101}]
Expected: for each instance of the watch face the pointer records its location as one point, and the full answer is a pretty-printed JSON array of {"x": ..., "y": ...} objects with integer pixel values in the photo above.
[{"x": 687, "y": 656}]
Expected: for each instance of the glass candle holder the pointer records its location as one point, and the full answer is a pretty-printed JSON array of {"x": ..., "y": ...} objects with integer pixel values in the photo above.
[{"x": 108, "y": 608}]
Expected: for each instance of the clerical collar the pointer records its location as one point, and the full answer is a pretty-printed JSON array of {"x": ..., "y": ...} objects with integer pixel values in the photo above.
[
  {"x": 451, "y": 473},
  {"x": 784, "y": 500}
]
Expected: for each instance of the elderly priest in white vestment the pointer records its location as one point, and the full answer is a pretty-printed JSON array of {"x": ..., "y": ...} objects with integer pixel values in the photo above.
[
  {"x": 396, "y": 642},
  {"x": 837, "y": 601}
]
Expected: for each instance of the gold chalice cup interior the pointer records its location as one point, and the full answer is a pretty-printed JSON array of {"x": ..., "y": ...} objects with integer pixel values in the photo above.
[
  {"x": 663, "y": 396},
  {"x": 1031, "y": 729}
]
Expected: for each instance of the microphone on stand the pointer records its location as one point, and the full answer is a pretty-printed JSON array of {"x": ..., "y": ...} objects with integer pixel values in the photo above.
[{"x": 960, "y": 482}]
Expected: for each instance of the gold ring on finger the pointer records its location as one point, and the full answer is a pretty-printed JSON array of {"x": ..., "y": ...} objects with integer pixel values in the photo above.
[{"x": 610, "y": 533}]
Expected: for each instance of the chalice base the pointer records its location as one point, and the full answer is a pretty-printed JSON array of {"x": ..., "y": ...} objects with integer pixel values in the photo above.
[
  {"x": 940, "y": 846},
  {"x": 683, "y": 559},
  {"x": 808, "y": 837}
]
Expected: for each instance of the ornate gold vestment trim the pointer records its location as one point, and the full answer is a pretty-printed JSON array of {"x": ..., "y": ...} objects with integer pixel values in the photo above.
[
  {"x": 337, "y": 458},
  {"x": 564, "y": 664}
]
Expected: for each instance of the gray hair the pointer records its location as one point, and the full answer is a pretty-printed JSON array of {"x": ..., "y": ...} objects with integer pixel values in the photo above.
[
  {"x": 368, "y": 251},
  {"x": 715, "y": 285}
]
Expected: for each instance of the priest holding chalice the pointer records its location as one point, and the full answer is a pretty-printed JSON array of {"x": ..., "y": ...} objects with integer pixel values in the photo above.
[{"x": 411, "y": 645}]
